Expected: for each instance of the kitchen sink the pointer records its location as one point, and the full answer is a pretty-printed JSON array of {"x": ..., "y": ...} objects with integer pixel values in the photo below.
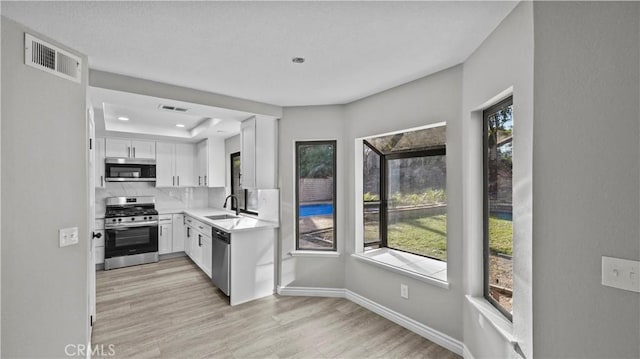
[{"x": 221, "y": 216}]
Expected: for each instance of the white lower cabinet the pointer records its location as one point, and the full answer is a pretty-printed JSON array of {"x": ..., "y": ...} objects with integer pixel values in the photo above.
[
  {"x": 177, "y": 239},
  {"x": 198, "y": 243},
  {"x": 206, "y": 255},
  {"x": 165, "y": 241},
  {"x": 98, "y": 243}
]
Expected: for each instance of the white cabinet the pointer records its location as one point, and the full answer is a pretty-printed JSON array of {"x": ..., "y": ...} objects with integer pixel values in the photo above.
[
  {"x": 165, "y": 234},
  {"x": 210, "y": 163},
  {"x": 177, "y": 240},
  {"x": 99, "y": 162},
  {"x": 206, "y": 254},
  {"x": 117, "y": 147},
  {"x": 98, "y": 243},
  {"x": 198, "y": 243},
  {"x": 175, "y": 165},
  {"x": 201, "y": 162},
  {"x": 185, "y": 163},
  {"x": 258, "y": 153}
]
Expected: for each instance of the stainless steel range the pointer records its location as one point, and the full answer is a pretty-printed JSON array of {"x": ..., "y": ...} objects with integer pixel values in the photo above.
[{"x": 131, "y": 228}]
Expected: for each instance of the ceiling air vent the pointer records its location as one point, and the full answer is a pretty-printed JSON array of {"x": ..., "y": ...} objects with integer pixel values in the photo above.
[
  {"x": 173, "y": 108},
  {"x": 44, "y": 56}
]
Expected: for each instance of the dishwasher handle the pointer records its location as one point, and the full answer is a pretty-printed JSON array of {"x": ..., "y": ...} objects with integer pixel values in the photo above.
[{"x": 222, "y": 236}]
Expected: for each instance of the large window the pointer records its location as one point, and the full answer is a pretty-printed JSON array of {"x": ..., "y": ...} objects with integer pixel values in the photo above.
[
  {"x": 498, "y": 205},
  {"x": 405, "y": 196},
  {"x": 316, "y": 195}
]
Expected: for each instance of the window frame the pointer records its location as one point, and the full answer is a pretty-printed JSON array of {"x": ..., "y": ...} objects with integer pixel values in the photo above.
[
  {"x": 382, "y": 224},
  {"x": 485, "y": 205},
  {"x": 384, "y": 189},
  {"x": 297, "y": 145},
  {"x": 232, "y": 156}
]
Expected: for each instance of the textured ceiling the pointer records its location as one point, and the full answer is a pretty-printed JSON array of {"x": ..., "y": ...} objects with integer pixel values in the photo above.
[{"x": 244, "y": 49}]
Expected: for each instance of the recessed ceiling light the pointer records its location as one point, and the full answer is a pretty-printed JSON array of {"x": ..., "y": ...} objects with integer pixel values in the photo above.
[
  {"x": 179, "y": 125},
  {"x": 122, "y": 118},
  {"x": 297, "y": 60}
]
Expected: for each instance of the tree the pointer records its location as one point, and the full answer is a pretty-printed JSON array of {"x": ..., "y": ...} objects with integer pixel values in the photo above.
[{"x": 315, "y": 161}]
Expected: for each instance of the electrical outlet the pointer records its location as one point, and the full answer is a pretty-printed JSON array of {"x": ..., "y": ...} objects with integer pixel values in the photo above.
[
  {"x": 404, "y": 291},
  {"x": 621, "y": 273},
  {"x": 68, "y": 236}
]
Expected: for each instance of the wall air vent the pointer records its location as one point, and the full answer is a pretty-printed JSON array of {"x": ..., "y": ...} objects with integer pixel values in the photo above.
[
  {"x": 44, "y": 56},
  {"x": 173, "y": 108}
]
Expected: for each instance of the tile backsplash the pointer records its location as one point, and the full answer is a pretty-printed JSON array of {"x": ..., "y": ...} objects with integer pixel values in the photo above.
[{"x": 166, "y": 198}]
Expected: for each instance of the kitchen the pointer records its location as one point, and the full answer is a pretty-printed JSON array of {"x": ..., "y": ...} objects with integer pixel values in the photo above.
[{"x": 163, "y": 189}]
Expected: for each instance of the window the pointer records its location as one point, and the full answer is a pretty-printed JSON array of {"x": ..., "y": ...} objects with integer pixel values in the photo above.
[
  {"x": 405, "y": 197},
  {"x": 247, "y": 198},
  {"x": 498, "y": 205},
  {"x": 316, "y": 195},
  {"x": 236, "y": 188}
]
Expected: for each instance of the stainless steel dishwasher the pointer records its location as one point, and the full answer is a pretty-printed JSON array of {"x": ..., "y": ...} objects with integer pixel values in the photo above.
[{"x": 220, "y": 260}]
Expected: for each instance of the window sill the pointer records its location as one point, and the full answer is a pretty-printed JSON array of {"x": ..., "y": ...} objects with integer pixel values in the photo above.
[
  {"x": 325, "y": 254},
  {"x": 494, "y": 317},
  {"x": 427, "y": 270}
]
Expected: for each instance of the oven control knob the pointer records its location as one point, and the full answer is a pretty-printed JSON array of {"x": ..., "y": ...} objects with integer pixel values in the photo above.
[
  {"x": 133, "y": 219},
  {"x": 119, "y": 219},
  {"x": 145, "y": 218},
  {"x": 113, "y": 220}
]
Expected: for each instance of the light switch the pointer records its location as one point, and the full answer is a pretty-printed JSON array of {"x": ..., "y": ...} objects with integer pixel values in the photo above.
[
  {"x": 621, "y": 273},
  {"x": 68, "y": 236}
]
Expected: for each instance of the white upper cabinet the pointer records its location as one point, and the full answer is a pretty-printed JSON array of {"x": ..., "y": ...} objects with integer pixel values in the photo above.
[
  {"x": 210, "y": 163},
  {"x": 185, "y": 163},
  {"x": 99, "y": 162},
  {"x": 144, "y": 149},
  {"x": 165, "y": 165},
  {"x": 258, "y": 153},
  {"x": 116, "y": 147},
  {"x": 175, "y": 165},
  {"x": 201, "y": 162}
]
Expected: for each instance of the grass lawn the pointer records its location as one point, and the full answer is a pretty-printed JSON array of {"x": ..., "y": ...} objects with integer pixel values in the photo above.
[{"x": 428, "y": 236}]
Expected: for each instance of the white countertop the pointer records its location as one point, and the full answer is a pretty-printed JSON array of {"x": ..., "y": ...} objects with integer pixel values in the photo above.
[{"x": 241, "y": 224}]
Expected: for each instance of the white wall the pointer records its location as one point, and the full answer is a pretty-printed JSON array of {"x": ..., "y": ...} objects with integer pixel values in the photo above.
[
  {"x": 503, "y": 61},
  {"x": 44, "y": 188},
  {"x": 586, "y": 186},
  {"x": 300, "y": 124},
  {"x": 429, "y": 100}
]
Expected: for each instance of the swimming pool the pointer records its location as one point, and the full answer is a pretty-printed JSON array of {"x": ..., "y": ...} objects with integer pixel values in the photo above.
[{"x": 321, "y": 209}]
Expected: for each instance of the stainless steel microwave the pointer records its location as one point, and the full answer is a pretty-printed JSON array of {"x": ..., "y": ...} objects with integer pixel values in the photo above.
[{"x": 129, "y": 170}]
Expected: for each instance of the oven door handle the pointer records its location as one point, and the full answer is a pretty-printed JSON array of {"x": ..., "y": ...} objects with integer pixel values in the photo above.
[{"x": 131, "y": 225}]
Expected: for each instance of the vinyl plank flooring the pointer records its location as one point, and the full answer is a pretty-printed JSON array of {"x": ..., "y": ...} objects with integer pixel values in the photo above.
[{"x": 170, "y": 309}]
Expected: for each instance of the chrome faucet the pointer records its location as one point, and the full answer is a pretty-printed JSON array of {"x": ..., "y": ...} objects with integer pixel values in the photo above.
[{"x": 232, "y": 196}]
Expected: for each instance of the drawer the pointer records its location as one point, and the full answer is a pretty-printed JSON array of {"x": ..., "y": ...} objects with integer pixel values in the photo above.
[
  {"x": 198, "y": 225},
  {"x": 165, "y": 217}
]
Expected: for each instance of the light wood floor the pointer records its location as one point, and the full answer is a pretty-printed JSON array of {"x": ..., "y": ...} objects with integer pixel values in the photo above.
[{"x": 170, "y": 309}]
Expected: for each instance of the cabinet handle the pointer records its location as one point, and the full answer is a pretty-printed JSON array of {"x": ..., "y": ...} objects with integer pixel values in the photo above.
[
  {"x": 173, "y": 180},
  {"x": 160, "y": 231},
  {"x": 128, "y": 151},
  {"x": 188, "y": 234},
  {"x": 134, "y": 152},
  {"x": 199, "y": 240},
  {"x": 101, "y": 181},
  {"x": 178, "y": 181},
  {"x": 199, "y": 184},
  {"x": 205, "y": 180}
]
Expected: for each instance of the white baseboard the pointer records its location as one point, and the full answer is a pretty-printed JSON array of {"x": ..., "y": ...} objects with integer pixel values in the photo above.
[
  {"x": 427, "y": 332},
  {"x": 466, "y": 353},
  {"x": 311, "y": 292}
]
